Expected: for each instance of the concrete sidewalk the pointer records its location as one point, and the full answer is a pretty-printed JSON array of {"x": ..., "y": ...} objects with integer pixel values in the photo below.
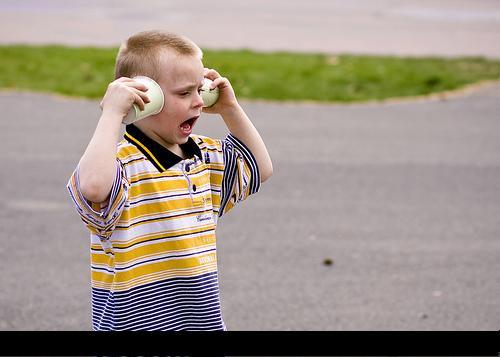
[
  {"x": 401, "y": 27},
  {"x": 403, "y": 198}
]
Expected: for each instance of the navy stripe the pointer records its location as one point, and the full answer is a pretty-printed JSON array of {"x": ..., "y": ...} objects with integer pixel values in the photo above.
[
  {"x": 187, "y": 326},
  {"x": 100, "y": 220},
  {"x": 189, "y": 280},
  {"x": 153, "y": 178},
  {"x": 168, "y": 196},
  {"x": 169, "y": 287},
  {"x": 204, "y": 147},
  {"x": 166, "y": 305},
  {"x": 169, "y": 176},
  {"x": 177, "y": 297},
  {"x": 168, "y": 321},
  {"x": 131, "y": 161},
  {"x": 93, "y": 267},
  {"x": 193, "y": 281},
  {"x": 232, "y": 147},
  {"x": 230, "y": 163},
  {"x": 168, "y": 312},
  {"x": 154, "y": 239},
  {"x": 162, "y": 217},
  {"x": 250, "y": 159},
  {"x": 168, "y": 257}
]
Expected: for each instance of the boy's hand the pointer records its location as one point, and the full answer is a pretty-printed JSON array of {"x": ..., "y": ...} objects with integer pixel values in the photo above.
[
  {"x": 238, "y": 123},
  {"x": 121, "y": 95},
  {"x": 227, "y": 99}
]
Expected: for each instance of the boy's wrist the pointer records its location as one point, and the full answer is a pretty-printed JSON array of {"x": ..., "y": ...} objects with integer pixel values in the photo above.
[
  {"x": 112, "y": 115},
  {"x": 231, "y": 110}
]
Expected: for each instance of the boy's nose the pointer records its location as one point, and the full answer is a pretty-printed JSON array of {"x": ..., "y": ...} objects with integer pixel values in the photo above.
[{"x": 198, "y": 101}]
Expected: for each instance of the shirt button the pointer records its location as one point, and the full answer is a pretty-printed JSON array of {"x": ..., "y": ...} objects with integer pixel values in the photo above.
[
  {"x": 194, "y": 188},
  {"x": 187, "y": 168}
]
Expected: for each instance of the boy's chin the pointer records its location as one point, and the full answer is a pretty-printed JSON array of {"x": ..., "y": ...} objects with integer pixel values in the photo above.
[{"x": 183, "y": 139}]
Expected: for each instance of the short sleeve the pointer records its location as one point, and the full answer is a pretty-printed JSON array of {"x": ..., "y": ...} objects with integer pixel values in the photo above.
[
  {"x": 241, "y": 174},
  {"x": 101, "y": 218}
]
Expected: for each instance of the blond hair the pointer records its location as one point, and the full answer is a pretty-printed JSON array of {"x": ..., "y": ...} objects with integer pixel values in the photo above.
[{"x": 140, "y": 53}]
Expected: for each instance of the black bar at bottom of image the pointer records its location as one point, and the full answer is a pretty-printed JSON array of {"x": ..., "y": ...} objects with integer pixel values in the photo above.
[{"x": 250, "y": 343}]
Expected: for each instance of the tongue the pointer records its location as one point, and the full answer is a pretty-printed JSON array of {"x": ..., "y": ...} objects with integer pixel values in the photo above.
[{"x": 186, "y": 126}]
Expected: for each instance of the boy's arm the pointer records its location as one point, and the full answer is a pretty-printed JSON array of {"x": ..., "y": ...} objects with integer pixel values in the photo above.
[
  {"x": 97, "y": 167},
  {"x": 238, "y": 123}
]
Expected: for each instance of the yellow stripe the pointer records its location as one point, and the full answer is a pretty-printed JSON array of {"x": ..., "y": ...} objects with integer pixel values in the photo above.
[
  {"x": 132, "y": 162},
  {"x": 125, "y": 278},
  {"x": 163, "y": 234},
  {"x": 147, "y": 210},
  {"x": 145, "y": 149},
  {"x": 213, "y": 143},
  {"x": 155, "y": 249},
  {"x": 179, "y": 263},
  {"x": 172, "y": 187},
  {"x": 170, "y": 173},
  {"x": 126, "y": 154},
  {"x": 107, "y": 280},
  {"x": 175, "y": 185},
  {"x": 126, "y": 219}
]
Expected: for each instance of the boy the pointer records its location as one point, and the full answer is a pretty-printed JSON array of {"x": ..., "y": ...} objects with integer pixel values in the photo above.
[{"x": 152, "y": 202}]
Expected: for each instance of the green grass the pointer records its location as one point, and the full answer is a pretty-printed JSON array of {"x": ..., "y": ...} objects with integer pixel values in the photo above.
[{"x": 86, "y": 72}]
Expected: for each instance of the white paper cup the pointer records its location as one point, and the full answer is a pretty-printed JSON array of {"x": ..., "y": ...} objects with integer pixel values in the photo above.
[
  {"x": 155, "y": 95},
  {"x": 209, "y": 96}
]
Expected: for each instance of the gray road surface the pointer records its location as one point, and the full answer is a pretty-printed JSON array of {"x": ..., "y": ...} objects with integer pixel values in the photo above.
[
  {"x": 403, "y": 198},
  {"x": 402, "y": 27}
]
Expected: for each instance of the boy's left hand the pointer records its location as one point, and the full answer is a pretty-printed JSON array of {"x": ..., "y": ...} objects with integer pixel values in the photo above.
[{"x": 227, "y": 99}]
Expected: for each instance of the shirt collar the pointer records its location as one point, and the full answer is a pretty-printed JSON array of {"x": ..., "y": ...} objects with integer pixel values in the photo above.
[{"x": 159, "y": 156}]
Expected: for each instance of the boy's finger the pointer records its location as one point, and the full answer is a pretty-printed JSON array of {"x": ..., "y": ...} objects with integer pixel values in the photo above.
[
  {"x": 144, "y": 97},
  {"x": 211, "y": 74},
  {"x": 138, "y": 85},
  {"x": 124, "y": 79},
  {"x": 139, "y": 101},
  {"x": 220, "y": 82}
]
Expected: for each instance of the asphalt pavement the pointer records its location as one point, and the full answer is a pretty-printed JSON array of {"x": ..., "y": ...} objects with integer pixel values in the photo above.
[
  {"x": 402, "y": 199},
  {"x": 379, "y": 216}
]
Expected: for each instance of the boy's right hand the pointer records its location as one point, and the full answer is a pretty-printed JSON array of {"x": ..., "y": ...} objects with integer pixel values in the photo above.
[{"x": 121, "y": 95}]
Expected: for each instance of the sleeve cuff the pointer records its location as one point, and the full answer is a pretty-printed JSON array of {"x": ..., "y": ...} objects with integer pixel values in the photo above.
[
  {"x": 103, "y": 218},
  {"x": 250, "y": 159}
]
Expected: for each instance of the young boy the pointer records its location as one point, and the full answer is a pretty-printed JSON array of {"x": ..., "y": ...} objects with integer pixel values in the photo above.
[{"x": 152, "y": 202}]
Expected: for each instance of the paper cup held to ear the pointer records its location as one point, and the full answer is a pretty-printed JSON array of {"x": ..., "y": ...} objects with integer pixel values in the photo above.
[
  {"x": 155, "y": 105},
  {"x": 209, "y": 96}
]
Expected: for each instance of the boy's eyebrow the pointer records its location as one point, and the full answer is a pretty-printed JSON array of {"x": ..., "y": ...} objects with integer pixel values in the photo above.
[{"x": 190, "y": 86}]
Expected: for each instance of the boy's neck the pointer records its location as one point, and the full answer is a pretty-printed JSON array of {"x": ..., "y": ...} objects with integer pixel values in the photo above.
[{"x": 175, "y": 148}]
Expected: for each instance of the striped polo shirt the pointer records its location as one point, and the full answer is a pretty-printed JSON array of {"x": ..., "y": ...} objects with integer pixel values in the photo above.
[{"x": 153, "y": 245}]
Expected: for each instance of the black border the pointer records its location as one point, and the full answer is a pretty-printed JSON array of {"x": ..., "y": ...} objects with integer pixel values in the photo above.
[{"x": 240, "y": 343}]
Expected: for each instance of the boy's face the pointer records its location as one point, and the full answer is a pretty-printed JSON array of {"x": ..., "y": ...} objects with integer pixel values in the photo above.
[{"x": 180, "y": 79}]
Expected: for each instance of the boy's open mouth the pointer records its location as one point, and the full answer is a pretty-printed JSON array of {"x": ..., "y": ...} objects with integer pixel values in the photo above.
[{"x": 187, "y": 125}]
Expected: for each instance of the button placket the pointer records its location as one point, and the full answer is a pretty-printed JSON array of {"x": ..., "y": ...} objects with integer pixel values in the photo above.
[{"x": 185, "y": 171}]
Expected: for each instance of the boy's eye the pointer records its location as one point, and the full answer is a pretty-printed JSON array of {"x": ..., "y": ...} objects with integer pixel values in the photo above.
[{"x": 184, "y": 93}]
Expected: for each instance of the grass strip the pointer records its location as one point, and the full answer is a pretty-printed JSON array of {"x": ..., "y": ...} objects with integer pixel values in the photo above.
[{"x": 86, "y": 72}]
